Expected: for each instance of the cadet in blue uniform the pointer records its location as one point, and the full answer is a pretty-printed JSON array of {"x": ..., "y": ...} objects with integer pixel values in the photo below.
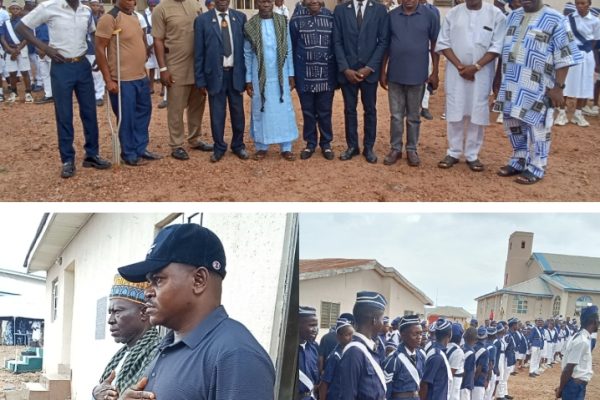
[
  {"x": 404, "y": 368},
  {"x": 537, "y": 344},
  {"x": 492, "y": 375},
  {"x": 207, "y": 355},
  {"x": 466, "y": 387},
  {"x": 330, "y": 381},
  {"x": 437, "y": 377},
  {"x": 329, "y": 341},
  {"x": 482, "y": 364},
  {"x": 308, "y": 353},
  {"x": 456, "y": 359},
  {"x": 361, "y": 376}
]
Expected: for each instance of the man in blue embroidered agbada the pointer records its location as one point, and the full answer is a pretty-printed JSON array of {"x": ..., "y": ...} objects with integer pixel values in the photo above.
[{"x": 537, "y": 53}]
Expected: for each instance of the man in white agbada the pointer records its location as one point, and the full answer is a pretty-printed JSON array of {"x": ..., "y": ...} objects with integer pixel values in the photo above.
[
  {"x": 580, "y": 78},
  {"x": 471, "y": 39}
]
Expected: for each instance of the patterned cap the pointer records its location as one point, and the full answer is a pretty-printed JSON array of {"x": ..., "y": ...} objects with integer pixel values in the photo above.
[
  {"x": 513, "y": 321},
  {"x": 371, "y": 298},
  {"x": 586, "y": 312},
  {"x": 386, "y": 320},
  {"x": 132, "y": 291},
  {"x": 500, "y": 327},
  {"x": 340, "y": 323},
  {"x": 491, "y": 330},
  {"x": 457, "y": 329},
  {"x": 347, "y": 316},
  {"x": 482, "y": 332},
  {"x": 443, "y": 325},
  {"x": 409, "y": 320}
]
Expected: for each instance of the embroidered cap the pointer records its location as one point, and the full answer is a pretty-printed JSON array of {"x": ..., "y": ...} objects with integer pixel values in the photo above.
[
  {"x": 132, "y": 291},
  {"x": 340, "y": 323},
  {"x": 371, "y": 298},
  {"x": 443, "y": 325},
  {"x": 409, "y": 320},
  {"x": 347, "y": 316},
  {"x": 189, "y": 244}
]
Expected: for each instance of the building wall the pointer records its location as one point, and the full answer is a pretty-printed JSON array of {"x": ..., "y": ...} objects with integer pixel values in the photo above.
[
  {"x": 254, "y": 245},
  {"x": 502, "y": 306},
  {"x": 519, "y": 250},
  {"x": 342, "y": 289},
  {"x": 571, "y": 299}
]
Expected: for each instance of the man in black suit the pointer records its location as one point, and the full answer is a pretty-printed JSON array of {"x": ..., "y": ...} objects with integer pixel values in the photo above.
[
  {"x": 360, "y": 38},
  {"x": 219, "y": 69}
]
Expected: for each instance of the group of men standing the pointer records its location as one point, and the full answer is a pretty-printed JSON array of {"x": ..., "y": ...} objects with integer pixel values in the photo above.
[
  {"x": 368, "y": 358},
  {"x": 358, "y": 47}
]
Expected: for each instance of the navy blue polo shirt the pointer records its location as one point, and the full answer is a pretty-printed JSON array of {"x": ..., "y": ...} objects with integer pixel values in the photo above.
[
  {"x": 218, "y": 360},
  {"x": 469, "y": 368},
  {"x": 308, "y": 362},
  {"x": 410, "y": 36},
  {"x": 482, "y": 359},
  {"x": 358, "y": 378},
  {"x": 435, "y": 374}
]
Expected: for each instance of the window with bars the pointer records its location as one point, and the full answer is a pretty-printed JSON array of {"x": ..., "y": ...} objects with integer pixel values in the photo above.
[
  {"x": 556, "y": 306},
  {"x": 245, "y": 5},
  {"x": 519, "y": 305},
  {"x": 408, "y": 312},
  {"x": 329, "y": 314}
]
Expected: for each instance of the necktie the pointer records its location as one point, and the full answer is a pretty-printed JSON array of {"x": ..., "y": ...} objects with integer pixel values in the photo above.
[
  {"x": 359, "y": 15},
  {"x": 225, "y": 35}
]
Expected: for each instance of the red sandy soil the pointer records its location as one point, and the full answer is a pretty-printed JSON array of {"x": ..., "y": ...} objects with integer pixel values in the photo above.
[
  {"x": 30, "y": 166},
  {"x": 8, "y": 380}
]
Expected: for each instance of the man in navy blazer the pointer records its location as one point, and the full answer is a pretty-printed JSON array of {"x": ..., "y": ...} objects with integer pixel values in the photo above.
[
  {"x": 360, "y": 37},
  {"x": 219, "y": 68}
]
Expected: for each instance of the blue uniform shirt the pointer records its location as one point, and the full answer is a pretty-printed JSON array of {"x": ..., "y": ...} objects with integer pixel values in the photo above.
[
  {"x": 219, "y": 359},
  {"x": 358, "y": 379},
  {"x": 523, "y": 344},
  {"x": 436, "y": 374},
  {"x": 327, "y": 344},
  {"x": 492, "y": 354},
  {"x": 331, "y": 373},
  {"x": 401, "y": 379},
  {"x": 4, "y": 31},
  {"x": 511, "y": 345},
  {"x": 469, "y": 368},
  {"x": 537, "y": 340},
  {"x": 308, "y": 362},
  {"x": 380, "y": 339},
  {"x": 483, "y": 361}
]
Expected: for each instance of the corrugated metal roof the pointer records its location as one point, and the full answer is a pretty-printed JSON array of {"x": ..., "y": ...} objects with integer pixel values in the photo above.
[
  {"x": 448, "y": 311},
  {"x": 533, "y": 287},
  {"x": 574, "y": 283},
  {"x": 321, "y": 268},
  {"x": 567, "y": 264}
]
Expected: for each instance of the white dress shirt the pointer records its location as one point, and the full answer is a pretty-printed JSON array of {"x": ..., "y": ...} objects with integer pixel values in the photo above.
[
  {"x": 579, "y": 352},
  {"x": 67, "y": 28},
  {"x": 363, "y": 8},
  {"x": 227, "y": 61}
]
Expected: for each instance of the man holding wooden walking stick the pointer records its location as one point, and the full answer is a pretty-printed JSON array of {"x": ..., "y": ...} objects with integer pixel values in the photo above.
[{"x": 121, "y": 56}]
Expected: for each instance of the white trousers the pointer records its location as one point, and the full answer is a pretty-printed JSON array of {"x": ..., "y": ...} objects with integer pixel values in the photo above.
[
  {"x": 465, "y": 394},
  {"x": 464, "y": 137},
  {"x": 98, "y": 80},
  {"x": 534, "y": 362},
  {"x": 478, "y": 393},
  {"x": 455, "y": 389},
  {"x": 503, "y": 378},
  {"x": 489, "y": 391},
  {"x": 34, "y": 61},
  {"x": 45, "y": 75}
]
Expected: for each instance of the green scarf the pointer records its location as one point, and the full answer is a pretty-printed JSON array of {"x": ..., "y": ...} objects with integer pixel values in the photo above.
[
  {"x": 140, "y": 355},
  {"x": 253, "y": 33}
]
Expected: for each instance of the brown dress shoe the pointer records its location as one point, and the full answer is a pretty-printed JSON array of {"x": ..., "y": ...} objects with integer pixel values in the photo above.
[
  {"x": 392, "y": 157},
  {"x": 413, "y": 158},
  {"x": 260, "y": 155},
  {"x": 288, "y": 155}
]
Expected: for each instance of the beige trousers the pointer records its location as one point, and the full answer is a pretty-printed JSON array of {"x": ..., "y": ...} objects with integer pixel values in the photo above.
[{"x": 179, "y": 98}]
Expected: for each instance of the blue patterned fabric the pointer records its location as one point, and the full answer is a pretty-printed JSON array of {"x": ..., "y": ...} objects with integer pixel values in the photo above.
[
  {"x": 314, "y": 58},
  {"x": 529, "y": 67}
]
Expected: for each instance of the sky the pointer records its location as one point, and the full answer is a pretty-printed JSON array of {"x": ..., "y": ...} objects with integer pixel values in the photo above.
[{"x": 453, "y": 258}]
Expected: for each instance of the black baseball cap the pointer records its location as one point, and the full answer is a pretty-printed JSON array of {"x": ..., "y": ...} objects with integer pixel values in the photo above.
[{"x": 189, "y": 244}]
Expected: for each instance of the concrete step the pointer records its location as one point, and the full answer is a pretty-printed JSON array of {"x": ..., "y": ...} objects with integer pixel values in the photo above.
[
  {"x": 59, "y": 386},
  {"x": 37, "y": 391}
]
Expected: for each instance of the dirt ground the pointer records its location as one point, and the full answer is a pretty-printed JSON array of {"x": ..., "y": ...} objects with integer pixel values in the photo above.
[
  {"x": 30, "y": 166},
  {"x": 8, "y": 380}
]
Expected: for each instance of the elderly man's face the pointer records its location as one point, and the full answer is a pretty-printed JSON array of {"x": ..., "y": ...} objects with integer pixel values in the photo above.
[
  {"x": 125, "y": 320},
  {"x": 221, "y": 5},
  {"x": 265, "y": 6}
]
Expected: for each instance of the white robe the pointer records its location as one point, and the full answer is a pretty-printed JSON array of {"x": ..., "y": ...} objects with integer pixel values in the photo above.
[{"x": 471, "y": 34}]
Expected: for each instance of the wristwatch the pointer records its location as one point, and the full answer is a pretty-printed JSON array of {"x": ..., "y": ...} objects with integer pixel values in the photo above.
[
  {"x": 477, "y": 66},
  {"x": 163, "y": 69},
  {"x": 560, "y": 85}
]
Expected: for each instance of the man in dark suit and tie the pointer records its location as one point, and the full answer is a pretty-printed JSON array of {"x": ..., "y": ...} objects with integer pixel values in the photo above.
[
  {"x": 360, "y": 37},
  {"x": 219, "y": 69}
]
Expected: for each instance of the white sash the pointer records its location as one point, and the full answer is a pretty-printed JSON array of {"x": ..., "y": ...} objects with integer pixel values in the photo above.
[
  {"x": 369, "y": 357},
  {"x": 450, "y": 377},
  {"x": 479, "y": 353},
  {"x": 11, "y": 33},
  {"x": 306, "y": 381},
  {"x": 412, "y": 370}
]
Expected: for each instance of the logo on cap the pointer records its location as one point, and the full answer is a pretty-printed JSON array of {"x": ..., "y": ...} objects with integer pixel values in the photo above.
[
  {"x": 151, "y": 248},
  {"x": 216, "y": 265}
]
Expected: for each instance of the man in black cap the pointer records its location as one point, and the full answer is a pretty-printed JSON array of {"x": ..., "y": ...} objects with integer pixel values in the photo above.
[{"x": 207, "y": 354}]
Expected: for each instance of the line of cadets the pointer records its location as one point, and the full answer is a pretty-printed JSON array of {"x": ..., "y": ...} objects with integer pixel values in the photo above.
[{"x": 406, "y": 360}]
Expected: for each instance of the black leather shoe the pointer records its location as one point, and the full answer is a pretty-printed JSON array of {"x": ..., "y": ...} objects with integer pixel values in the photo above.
[
  {"x": 370, "y": 156},
  {"x": 215, "y": 157},
  {"x": 349, "y": 153},
  {"x": 68, "y": 170},
  {"x": 306, "y": 153},
  {"x": 96, "y": 162},
  {"x": 136, "y": 163},
  {"x": 180, "y": 154},
  {"x": 148, "y": 155},
  {"x": 242, "y": 154},
  {"x": 328, "y": 154},
  {"x": 202, "y": 146}
]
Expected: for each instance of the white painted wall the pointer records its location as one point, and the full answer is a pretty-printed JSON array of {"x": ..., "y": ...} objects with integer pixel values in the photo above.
[{"x": 254, "y": 246}]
